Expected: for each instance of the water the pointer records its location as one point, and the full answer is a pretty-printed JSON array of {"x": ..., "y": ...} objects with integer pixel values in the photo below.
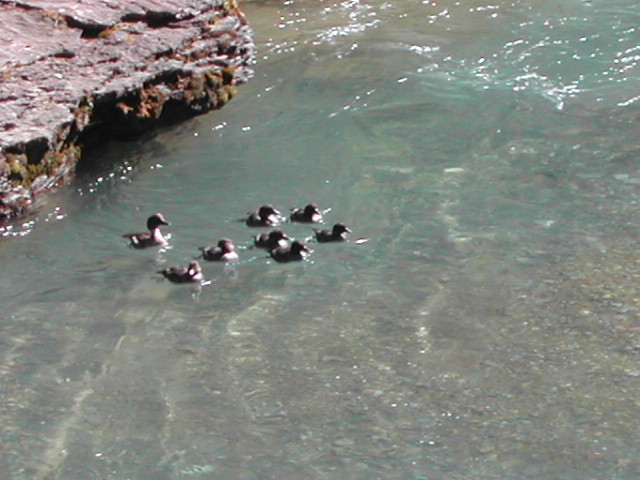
[{"x": 489, "y": 328}]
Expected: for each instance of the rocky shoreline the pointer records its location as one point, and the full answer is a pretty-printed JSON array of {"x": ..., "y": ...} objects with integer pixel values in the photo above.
[{"x": 80, "y": 72}]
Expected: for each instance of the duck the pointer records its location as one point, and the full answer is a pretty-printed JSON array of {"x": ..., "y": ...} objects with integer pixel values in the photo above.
[
  {"x": 264, "y": 216},
  {"x": 296, "y": 252},
  {"x": 153, "y": 238},
  {"x": 224, "y": 251},
  {"x": 190, "y": 274},
  {"x": 337, "y": 234},
  {"x": 309, "y": 214},
  {"x": 272, "y": 239}
]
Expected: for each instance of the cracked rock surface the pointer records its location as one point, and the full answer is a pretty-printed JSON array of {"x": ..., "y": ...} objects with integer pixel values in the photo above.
[{"x": 79, "y": 72}]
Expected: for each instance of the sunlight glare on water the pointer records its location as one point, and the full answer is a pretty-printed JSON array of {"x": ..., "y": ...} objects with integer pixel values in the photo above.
[{"x": 488, "y": 328}]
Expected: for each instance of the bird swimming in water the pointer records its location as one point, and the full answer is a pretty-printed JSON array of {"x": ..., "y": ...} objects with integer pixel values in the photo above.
[
  {"x": 337, "y": 234},
  {"x": 153, "y": 237},
  {"x": 309, "y": 214},
  {"x": 264, "y": 216},
  {"x": 190, "y": 274},
  {"x": 296, "y": 252},
  {"x": 272, "y": 239},
  {"x": 224, "y": 251}
]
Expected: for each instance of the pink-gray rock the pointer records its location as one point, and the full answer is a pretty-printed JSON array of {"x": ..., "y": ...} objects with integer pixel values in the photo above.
[{"x": 83, "y": 71}]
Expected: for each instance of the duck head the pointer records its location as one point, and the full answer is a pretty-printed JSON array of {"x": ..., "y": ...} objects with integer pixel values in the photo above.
[
  {"x": 226, "y": 245},
  {"x": 194, "y": 269},
  {"x": 154, "y": 221},
  {"x": 297, "y": 247},
  {"x": 311, "y": 210},
  {"x": 340, "y": 229},
  {"x": 265, "y": 211},
  {"x": 276, "y": 235}
]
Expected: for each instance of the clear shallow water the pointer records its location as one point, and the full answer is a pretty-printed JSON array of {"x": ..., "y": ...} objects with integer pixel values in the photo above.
[{"x": 488, "y": 329}]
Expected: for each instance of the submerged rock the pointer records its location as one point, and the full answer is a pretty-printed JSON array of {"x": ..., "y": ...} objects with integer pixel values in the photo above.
[{"x": 79, "y": 72}]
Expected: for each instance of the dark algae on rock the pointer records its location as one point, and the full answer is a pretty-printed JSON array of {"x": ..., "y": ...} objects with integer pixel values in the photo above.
[{"x": 76, "y": 73}]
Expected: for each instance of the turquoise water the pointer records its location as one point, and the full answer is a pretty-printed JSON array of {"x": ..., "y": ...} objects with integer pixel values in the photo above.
[{"x": 488, "y": 329}]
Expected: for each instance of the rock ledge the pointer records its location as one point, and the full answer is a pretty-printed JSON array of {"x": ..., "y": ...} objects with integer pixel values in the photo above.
[{"x": 79, "y": 72}]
